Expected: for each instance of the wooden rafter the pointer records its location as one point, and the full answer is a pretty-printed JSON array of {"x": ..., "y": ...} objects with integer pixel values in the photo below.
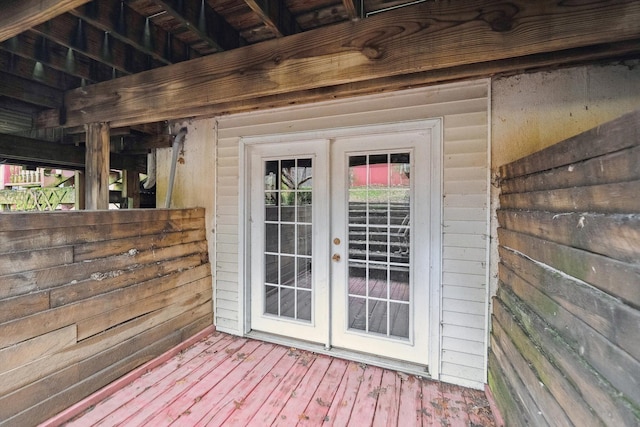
[
  {"x": 274, "y": 16},
  {"x": 353, "y": 8},
  {"x": 74, "y": 33},
  {"x": 423, "y": 38},
  {"x": 192, "y": 20},
  {"x": 17, "y": 15},
  {"x": 159, "y": 44},
  {"x": 23, "y": 67},
  {"x": 29, "y": 91}
]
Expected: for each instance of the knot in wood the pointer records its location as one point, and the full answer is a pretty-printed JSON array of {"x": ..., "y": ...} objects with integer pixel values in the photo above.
[{"x": 372, "y": 52}]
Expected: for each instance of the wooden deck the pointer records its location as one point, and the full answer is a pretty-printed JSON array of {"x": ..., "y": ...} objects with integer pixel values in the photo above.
[{"x": 232, "y": 381}]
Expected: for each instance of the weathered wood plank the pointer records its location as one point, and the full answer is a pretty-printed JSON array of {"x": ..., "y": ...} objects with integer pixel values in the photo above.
[
  {"x": 615, "y": 135},
  {"x": 607, "y": 357},
  {"x": 97, "y": 166},
  {"x": 617, "y": 198},
  {"x": 28, "y": 327},
  {"x": 511, "y": 409},
  {"x": 15, "y": 16},
  {"x": 12, "y": 221},
  {"x": 22, "y": 306},
  {"x": 86, "y": 371},
  {"x": 58, "y": 235},
  {"x": 124, "y": 310},
  {"x": 357, "y": 51},
  {"x": 603, "y": 400},
  {"x": 18, "y": 262},
  {"x": 615, "y": 235},
  {"x": 100, "y": 269},
  {"x": 516, "y": 371},
  {"x": 609, "y": 275},
  {"x": 318, "y": 406},
  {"x": 411, "y": 408},
  {"x": 616, "y": 321},
  {"x": 102, "y": 249},
  {"x": 569, "y": 398},
  {"x": 388, "y": 405},
  {"x": 367, "y": 397},
  {"x": 32, "y": 372},
  {"x": 36, "y": 348},
  {"x": 91, "y": 287},
  {"x": 605, "y": 169}
]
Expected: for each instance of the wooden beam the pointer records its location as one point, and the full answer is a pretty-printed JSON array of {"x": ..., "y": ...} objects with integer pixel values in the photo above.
[
  {"x": 29, "y": 91},
  {"x": 97, "y": 166},
  {"x": 275, "y": 16},
  {"x": 26, "y": 68},
  {"x": 18, "y": 15},
  {"x": 429, "y": 37},
  {"x": 23, "y": 150},
  {"x": 119, "y": 20},
  {"x": 353, "y": 8},
  {"x": 131, "y": 188},
  {"x": 74, "y": 33}
]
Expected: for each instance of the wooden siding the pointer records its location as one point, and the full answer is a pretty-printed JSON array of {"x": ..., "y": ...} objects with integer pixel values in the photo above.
[
  {"x": 87, "y": 296},
  {"x": 463, "y": 108},
  {"x": 567, "y": 315}
]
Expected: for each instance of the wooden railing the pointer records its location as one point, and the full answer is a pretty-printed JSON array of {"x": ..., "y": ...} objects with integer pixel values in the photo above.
[
  {"x": 565, "y": 326},
  {"x": 87, "y": 296}
]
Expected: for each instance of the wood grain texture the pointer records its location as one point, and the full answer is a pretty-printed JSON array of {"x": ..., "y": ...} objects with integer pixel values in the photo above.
[
  {"x": 430, "y": 36},
  {"x": 97, "y": 166},
  {"x": 15, "y": 16},
  {"x": 140, "y": 283}
]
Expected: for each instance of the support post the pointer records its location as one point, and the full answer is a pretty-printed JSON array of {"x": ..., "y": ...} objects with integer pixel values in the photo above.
[
  {"x": 97, "y": 166},
  {"x": 79, "y": 188},
  {"x": 131, "y": 188}
]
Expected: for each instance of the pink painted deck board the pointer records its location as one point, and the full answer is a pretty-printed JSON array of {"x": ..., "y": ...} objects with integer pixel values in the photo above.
[{"x": 231, "y": 381}]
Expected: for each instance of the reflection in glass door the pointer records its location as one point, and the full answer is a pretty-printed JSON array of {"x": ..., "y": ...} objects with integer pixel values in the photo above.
[
  {"x": 288, "y": 238},
  {"x": 379, "y": 244}
]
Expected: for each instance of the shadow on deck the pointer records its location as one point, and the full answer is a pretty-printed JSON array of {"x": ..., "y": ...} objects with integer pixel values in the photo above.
[{"x": 220, "y": 379}]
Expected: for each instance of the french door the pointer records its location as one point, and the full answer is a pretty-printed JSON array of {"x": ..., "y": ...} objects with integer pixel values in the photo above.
[{"x": 340, "y": 232}]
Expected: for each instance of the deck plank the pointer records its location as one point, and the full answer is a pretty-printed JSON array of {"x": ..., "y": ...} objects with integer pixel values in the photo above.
[
  {"x": 320, "y": 402},
  {"x": 238, "y": 397},
  {"x": 153, "y": 377},
  {"x": 387, "y": 407},
  {"x": 196, "y": 403},
  {"x": 226, "y": 380},
  {"x": 367, "y": 398},
  {"x": 410, "y": 410},
  {"x": 293, "y": 410}
]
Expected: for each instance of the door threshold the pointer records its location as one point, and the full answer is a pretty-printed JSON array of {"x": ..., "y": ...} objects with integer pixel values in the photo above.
[{"x": 420, "y": 371}]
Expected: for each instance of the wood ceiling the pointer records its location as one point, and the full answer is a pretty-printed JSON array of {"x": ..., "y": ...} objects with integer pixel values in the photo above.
[{"x": 50, "y": 48}]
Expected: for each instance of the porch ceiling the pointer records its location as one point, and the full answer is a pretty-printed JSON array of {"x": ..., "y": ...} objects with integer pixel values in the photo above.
[{"x": 141, "y": 63}]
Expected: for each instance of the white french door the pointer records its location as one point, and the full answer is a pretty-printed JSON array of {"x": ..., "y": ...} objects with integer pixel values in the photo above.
[{"x": 340, "y": 241}]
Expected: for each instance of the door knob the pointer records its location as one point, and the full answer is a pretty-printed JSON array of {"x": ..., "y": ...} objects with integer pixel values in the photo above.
[{"x": 336, "y": 257}]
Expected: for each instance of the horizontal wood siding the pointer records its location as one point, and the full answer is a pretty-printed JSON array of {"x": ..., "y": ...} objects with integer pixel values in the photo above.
[
  {"x": 463, "y": 108},
  {"x": 567, "y": 314},
  {"x": 87, "y": 296}
]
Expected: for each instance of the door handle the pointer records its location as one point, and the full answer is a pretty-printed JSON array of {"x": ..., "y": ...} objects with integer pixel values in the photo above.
[{"x": 336, "y": 257}]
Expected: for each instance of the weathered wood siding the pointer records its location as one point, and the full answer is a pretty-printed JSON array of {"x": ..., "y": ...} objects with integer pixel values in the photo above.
[
  {"x": 87, "y": 296},
  {"x": 464, "y": 110},
  {"x": 566, "y": 320}
]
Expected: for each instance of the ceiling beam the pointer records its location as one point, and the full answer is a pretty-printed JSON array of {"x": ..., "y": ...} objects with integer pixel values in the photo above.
[
  {"x": 31, "y": 92},
  {"x": 18, "y": 15},
  {"x": 275, "y": 16},
  {"x": 427, "y": 37},
  {"x": 32, "y": 46},
  {"x": 192, "y": 20},
  {"x": 28, "y": 69},
  {"x": 353, "y": 8},
  {"x": 74, "y": 33},
  {"x": 17, "y": 149},
  {"x": 120, "y": 20}
]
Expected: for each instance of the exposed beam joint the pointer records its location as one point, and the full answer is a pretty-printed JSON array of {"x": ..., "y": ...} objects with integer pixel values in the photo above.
[
  {"x": 275, "y": 16},
  {"x": 17, "y": 15}
]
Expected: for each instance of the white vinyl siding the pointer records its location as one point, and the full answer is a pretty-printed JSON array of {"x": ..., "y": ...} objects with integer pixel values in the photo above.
[{"x": 463, "y": 108}]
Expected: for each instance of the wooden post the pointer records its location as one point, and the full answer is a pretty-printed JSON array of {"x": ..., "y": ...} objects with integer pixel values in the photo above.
[
  {"x": 80, "y": 191},
  {"x": 131, "y": 188},
  {"x": 97, "y": 166}
]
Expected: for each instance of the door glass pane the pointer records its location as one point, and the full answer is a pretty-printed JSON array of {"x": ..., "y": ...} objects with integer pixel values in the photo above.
[
  {"x": 288, "y": 238},
  {"x": 379, "y": 292}
]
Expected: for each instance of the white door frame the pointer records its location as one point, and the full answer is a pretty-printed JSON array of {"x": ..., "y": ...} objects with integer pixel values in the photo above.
[{"x": 434, "y": 125}]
